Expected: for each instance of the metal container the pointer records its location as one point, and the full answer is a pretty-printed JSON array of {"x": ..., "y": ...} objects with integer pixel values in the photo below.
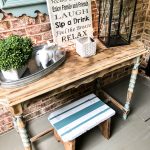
[{"x": 33, "y": 72}]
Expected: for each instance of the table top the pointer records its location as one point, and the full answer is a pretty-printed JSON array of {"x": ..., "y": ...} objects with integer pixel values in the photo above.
[{"x": 74, "y": 68}]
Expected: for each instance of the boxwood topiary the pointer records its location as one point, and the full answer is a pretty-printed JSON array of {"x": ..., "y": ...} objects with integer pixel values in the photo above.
[{"x": 15, "y": 51}]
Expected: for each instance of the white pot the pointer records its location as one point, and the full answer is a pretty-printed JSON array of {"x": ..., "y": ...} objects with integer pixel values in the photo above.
[
  {"x": 14, "y": 74},
  {"x": 85, "y": 47}
]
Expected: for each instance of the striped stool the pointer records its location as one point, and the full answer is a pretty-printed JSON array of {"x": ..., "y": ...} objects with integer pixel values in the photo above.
[{"x": 78, "y": 117}]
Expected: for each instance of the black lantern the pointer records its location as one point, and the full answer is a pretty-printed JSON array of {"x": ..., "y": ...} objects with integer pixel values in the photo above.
[
  {"x": 148, "y": 68},
  {"x": 116, "y": 21}
]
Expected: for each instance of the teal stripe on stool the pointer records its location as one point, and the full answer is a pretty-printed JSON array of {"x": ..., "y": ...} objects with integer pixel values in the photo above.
[
  {"x": 77, "y": 115},
  {"x": 84, "y": 122},
  {"x": 71, "y": 108}
]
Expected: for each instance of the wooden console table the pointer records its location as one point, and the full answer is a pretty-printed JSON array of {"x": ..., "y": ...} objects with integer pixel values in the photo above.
[{"x": 74, "y": 72}]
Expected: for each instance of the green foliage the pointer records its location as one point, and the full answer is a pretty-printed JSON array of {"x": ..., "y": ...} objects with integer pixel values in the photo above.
[{"x": 15, "y": 51}]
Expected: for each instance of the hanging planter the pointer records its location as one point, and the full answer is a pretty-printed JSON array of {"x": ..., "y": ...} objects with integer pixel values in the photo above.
[{"x": 15, "y": 51}]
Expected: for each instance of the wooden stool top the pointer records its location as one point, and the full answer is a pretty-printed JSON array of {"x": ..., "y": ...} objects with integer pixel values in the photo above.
[{"x": 80, "y": 116}]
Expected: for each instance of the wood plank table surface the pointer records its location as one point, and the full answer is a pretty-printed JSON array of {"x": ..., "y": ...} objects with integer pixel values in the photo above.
[
  {"x": 74, "y": 71},
  {"x": 74, "y": 68}
]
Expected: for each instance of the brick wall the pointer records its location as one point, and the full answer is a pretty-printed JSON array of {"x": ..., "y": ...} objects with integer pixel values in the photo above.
[
  {"x": 39, "y": 30},
  {"x": 146, "y": 34},
  {"x": 139, "y": 20},
  {"x": 146, "y": 31}
]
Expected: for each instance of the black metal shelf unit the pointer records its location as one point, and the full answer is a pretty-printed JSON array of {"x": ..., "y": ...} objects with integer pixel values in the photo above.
[{"x": 148, "y": 68}]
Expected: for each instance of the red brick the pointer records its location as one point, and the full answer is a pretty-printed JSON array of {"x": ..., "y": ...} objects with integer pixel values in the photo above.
[
  {"x": 47, "y": 35},
  {"x": 45, "y": 27},
  {"x": 23, "y": 21},
  {"x": 36, "y": 38},
  {"x": 4, "y": 25},
  {"x": 8, "y": 17},
  {"x": 5, "y": 34},
  {"x": 28, "y": 20},
  {"x": 33, "y": 30},
  {"x": 18, "y": 23},
  {"x": 42, "y": 42},
  {"x": 37, "y": 29},
  {"x": 37, "y": 20},
  {"x": 20, "y": 32},
  {"x": 44, "y": 18}
]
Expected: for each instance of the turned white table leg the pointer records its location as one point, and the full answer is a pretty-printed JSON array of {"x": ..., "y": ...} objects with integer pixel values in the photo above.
[
  {"x": 131, "y": 87},
  {"x": 20, "y": 126},
  {"x": 23, "y": 133}
]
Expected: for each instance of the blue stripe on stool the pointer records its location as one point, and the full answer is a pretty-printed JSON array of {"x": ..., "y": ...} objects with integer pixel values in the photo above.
[
  {"x": 74, "y": 104},
  {"x": 71, "y": 108},
  {"x": 84, "y": 122},
  {"x": 77, "y": 115},
  {"x": 86, "y": 126}
]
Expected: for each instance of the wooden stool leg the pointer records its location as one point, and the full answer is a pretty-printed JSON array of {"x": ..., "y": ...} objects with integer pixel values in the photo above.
[
  {"x": 57, "y": 136},
  {"x": 105, "y": 128},
  {"x": 69, "y": 145}
]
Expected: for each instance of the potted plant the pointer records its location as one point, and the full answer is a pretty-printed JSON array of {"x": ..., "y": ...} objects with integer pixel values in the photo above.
[{"x": 15, "y": 51}]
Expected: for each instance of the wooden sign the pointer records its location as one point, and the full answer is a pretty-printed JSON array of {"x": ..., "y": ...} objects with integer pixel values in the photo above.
[{"x": 70, "y": 19}]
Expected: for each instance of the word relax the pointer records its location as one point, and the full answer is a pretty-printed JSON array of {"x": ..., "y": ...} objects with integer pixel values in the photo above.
[{"x": 73, "y": 36}]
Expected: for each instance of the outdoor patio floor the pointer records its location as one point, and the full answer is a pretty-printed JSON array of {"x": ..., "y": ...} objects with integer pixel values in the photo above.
[{"x": 132, "y": 134}]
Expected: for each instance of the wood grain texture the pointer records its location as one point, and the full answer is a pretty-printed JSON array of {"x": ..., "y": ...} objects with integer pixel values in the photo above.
[
  {"x": 105, "y": 128},
  {"x": 58, "y": 138},
  {"x": 40, "y": 135},
  {"x": 74, "y": 70},
  {"x": 69, "y": 145},
  {"x": 109, "y": 98}
]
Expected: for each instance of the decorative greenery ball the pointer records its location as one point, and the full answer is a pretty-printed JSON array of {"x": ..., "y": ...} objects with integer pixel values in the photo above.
[{"x": 15, "y": 51}]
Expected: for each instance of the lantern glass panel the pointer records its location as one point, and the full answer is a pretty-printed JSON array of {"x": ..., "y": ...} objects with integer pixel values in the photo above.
[{"x": 116, "y": 21}]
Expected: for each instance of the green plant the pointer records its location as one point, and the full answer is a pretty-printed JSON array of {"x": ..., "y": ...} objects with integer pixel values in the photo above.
[{"x": 15, "y": 51}]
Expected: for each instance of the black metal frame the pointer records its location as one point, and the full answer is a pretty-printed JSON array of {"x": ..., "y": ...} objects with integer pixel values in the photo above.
[
  {"x": 147, "y": 71},
  {"x": 116, "y": 40}
]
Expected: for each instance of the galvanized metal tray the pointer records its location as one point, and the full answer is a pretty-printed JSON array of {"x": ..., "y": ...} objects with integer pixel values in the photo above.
[{"x": 33, "y": 72}]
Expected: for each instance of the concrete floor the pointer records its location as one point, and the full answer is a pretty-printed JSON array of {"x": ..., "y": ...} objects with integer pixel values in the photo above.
[{"x": 133, "y": 134}]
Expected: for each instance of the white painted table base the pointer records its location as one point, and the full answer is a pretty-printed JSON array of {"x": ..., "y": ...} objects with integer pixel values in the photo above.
[
  {"x": 131, "y": 87},
  {"x": 126, "y": 108}
]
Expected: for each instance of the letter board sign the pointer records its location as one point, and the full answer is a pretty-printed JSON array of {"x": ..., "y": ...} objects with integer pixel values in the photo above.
[{"x": 70, "y": 19}]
